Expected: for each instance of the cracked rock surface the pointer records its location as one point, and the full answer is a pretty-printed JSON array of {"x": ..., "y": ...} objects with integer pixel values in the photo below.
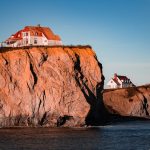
[{"x": 50, "y": 86}]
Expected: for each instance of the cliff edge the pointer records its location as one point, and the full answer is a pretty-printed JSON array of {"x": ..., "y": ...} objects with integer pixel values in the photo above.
[{"x": 50, "y": 86}]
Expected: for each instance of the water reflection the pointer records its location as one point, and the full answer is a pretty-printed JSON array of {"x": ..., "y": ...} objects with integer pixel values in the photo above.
[{"x": 130, "y": 135}]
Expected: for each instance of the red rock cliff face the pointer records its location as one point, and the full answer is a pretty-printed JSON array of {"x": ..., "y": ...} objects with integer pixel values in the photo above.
[
  {"x": 133, "y": 101},
  {"x": 49, "y": 86}
]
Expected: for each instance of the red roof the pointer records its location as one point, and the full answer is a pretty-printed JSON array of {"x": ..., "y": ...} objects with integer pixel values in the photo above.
[
  {"x": 122, "y": 77},
  {"x": 15, "y": 37},
  {"x": 116, "y": 81},
  {"x": 35, "y": 31}
]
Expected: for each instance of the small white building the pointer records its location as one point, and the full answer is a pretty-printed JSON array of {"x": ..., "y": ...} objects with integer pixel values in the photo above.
[
  {"x": 119, "y": 82},
  {"x": 33, "y": 35}
]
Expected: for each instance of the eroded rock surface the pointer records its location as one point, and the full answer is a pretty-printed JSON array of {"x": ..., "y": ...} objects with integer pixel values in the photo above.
[
  {"x": 50, "y": 86},
  {"x": 133, "y": 101}
]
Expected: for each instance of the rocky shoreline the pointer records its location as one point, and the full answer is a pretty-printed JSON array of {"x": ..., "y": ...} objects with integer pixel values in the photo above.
[{"x": 128, "y": 102}]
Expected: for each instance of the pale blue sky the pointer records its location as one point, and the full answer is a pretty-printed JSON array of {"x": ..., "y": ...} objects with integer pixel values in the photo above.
[{"x": 118, "y": 30}]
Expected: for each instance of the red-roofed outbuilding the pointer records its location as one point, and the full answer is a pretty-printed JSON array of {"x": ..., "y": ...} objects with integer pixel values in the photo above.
[{"x": 119, "y": 81}]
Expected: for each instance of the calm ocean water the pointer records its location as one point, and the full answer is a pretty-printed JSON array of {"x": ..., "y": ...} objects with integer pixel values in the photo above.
[{"x": 133, "y": 135}]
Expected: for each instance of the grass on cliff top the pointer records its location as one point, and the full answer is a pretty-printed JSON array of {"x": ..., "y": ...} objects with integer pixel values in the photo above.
[{"x": 5, "y": 49}]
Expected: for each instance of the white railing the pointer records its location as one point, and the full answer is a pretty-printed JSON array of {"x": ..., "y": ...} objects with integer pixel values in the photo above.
[
  {"x": 20, "y": 44},
  {"x": 54, "y": 42},
  {"x": 2, "y": 44}
]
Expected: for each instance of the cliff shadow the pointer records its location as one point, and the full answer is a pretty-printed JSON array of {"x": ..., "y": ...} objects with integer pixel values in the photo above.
[{"x": 98, "y": 115}]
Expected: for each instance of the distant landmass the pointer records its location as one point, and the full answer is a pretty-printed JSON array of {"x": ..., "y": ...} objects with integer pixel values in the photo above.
[{"x": 133, "y": 101}]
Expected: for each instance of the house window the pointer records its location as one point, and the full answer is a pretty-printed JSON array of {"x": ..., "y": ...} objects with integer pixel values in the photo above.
[
  {"x": 26, "y": 33},
  {"x": 36, "y": 33},
  {"x": 35, "y": 41},
  {"x": 26, "y": 41}
]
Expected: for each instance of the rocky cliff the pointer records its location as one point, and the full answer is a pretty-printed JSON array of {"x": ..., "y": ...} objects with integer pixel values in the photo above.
[
  {"x": 50, "y": 86},
  {"x": 134, "y": 101}
]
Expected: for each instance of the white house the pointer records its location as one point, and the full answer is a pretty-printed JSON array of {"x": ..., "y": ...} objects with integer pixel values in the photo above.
[
  {"x": 33, "y": 35},
  {"x": 119, "y": 82}
]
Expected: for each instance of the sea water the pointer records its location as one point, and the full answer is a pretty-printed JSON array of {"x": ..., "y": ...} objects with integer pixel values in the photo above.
[{"x": 133, "y": 135}]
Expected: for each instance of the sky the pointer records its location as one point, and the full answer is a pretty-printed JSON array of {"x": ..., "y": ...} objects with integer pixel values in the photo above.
[{"x": 117, "y": 30}]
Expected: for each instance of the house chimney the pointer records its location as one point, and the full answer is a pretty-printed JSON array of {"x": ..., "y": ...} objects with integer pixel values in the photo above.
[
  {"x": 39, "y": 25},
  {"x": 115, "y": 75}
]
